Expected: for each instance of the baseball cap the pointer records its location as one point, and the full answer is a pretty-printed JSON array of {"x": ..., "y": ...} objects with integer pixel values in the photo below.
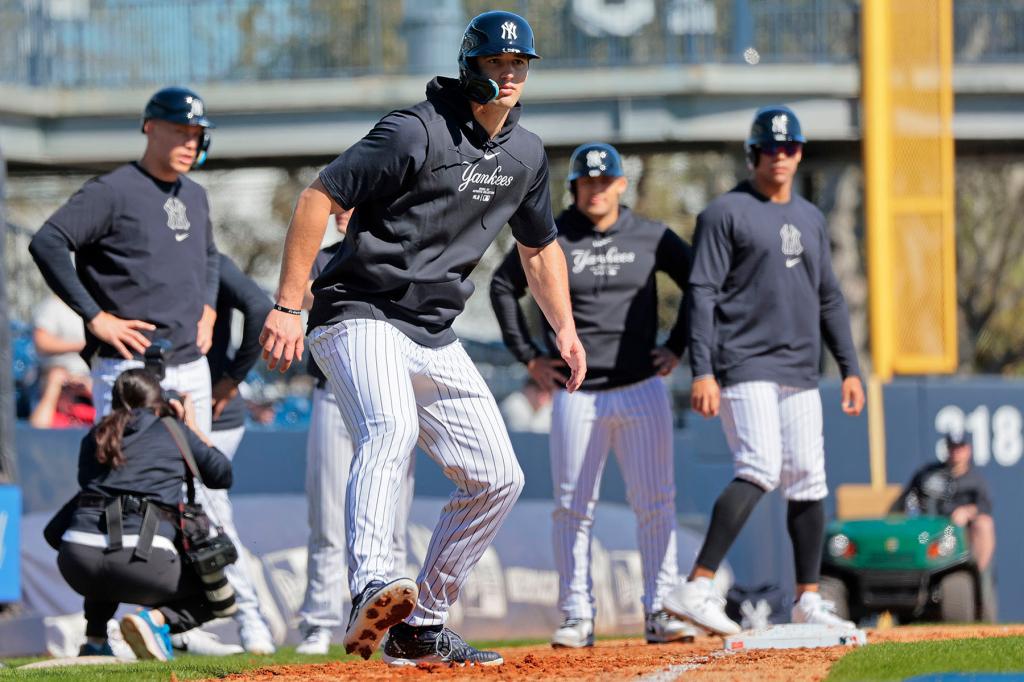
[{"x": 956, "y": 439}]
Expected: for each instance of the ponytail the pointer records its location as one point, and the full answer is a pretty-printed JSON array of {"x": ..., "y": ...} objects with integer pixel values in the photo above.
[{"x": 133, "y": 388}]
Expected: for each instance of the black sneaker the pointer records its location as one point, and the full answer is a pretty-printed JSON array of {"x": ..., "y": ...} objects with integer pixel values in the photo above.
[
  {"x": 408, "y": 645},
  {"x": 375, "y": 610}
]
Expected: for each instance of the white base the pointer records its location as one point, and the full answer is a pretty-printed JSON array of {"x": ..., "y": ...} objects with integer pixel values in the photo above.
[
  {"x": 796, "y": 636},
  {"x": 76, "y": 660}
]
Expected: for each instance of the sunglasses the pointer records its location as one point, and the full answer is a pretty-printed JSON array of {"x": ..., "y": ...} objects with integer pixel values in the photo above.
[{"x": 790, "y": 148}]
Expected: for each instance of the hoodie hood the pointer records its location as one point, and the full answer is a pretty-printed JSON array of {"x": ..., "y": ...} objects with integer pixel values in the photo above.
[{"x": 446, "y": 94}]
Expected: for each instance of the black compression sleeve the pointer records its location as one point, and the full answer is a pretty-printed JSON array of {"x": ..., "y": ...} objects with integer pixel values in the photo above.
[
  {"x": 806, "y": 523},
  {"x": 51, "y": 250},
  {"x": 507, "y": 287},
  {"x": 732, "y": 509}
]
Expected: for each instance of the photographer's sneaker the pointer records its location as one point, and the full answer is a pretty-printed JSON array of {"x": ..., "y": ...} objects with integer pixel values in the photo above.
[
  {"x": 661, "y": 627},
  {"x": 411, "y": 646},
  {"x": 316, "y": 641},
  {"x": 201, "y": 643},
  {"x": 811, "y": 608},
  {"x": 375, "y": 610},
  {"x": 148, "y": 640},
  {"x": 574, "y": 633},
  {"x": 698, "y": 602}
]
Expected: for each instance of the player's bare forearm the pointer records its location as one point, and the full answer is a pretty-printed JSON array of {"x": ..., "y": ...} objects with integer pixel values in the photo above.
[
  {"x": 548, "y": 280},
  {"x": 305, "y": 232},
  {"x": 282, "y": 335}
]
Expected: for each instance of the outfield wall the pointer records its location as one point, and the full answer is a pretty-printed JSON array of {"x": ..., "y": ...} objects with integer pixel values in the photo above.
[{"x": 270, "y": 474}]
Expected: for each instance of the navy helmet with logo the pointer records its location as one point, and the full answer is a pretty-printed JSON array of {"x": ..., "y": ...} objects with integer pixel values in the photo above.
[
  {"x": 594, "y": 159},
  {"x": 488, "y": 34},
  {"x": 180, "y": 105},
  {"x": 772, "y": 125}
]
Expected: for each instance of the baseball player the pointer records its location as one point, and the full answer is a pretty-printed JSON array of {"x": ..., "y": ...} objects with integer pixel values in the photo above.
[
  {"x": 147, "y": 266},
  {"x": 227, "y": 371},
  {"x": 328, "y": 460},
  {"x": 763, "y": 297},
  {"x": 432, "y": 185},
  {"x": 613, "y": 255}
]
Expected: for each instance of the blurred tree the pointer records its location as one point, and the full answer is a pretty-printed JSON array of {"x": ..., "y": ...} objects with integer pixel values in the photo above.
[{"x": 990, "y": 264}]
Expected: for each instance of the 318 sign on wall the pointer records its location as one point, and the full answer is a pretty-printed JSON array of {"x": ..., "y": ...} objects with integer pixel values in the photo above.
[{"x": 994, "y": 435}]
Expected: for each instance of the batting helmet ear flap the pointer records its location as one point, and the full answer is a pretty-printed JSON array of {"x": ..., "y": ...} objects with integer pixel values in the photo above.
[{"x": 753, "y": 156}]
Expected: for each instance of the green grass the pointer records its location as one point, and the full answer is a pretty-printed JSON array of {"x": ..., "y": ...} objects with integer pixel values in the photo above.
[
  {"x": 183, "y": 667},
  {"x": 898, "y": 661}
]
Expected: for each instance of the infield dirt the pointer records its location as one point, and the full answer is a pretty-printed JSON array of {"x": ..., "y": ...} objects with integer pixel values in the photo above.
[{"x": 632, "y": 659}]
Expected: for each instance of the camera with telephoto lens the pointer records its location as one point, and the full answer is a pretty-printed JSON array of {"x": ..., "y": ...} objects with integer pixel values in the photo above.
[{"x": 208, "y": 558}]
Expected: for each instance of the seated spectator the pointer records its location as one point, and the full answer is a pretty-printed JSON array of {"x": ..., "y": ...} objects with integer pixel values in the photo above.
[
  {"x": 66, "y": 399},
  {"x": 129, "y": 463},
  {"x": 954, "y": 489},
  {"x": 528, "y": 409}
]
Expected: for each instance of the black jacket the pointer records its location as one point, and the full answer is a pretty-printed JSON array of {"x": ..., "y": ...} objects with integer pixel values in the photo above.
[{"x": 154, "y": 469}]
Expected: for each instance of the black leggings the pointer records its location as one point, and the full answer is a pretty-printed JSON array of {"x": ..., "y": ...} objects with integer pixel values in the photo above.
[{"x": 107, "y": 579}]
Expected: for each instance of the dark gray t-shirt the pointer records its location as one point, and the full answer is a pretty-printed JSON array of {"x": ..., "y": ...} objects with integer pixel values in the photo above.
[
  {"x": 323, "y": 257},
  {"x": 614, "y": 295},
  {"x": 143, "y": 250},
  {"x": 763, "y": 294},
  {"x": 432, "y": 193}
]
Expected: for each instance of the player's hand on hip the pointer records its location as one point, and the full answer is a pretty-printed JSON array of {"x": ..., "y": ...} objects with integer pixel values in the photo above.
[
  {"x": 571, "y": 350},
  {"x": 853, "y": 396},
  {"x": 664, "y": 361},
  {"x": 705, "y": 396},
  {"x": 204, "y": 329},
  {"x": 282, "y": 340},
  {"x": 547, "y": 372},
  {"x": 124, "y": 335}
]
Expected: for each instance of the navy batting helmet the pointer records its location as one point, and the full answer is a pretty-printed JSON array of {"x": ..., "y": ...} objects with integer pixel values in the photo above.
[
  {"x": 772, "y": 125},
  {"x": 180, "y": 105},
  {"x": 488, "y": 34},
  {"x": 593, "y": 159}
]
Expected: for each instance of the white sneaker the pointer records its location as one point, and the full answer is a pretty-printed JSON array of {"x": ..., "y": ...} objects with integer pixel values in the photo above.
[
  {"x": 316, "y": 641},
  {"x": 661, "y": 627},
  {"x": 201, "y": 643},
  {"x": 811, "y": 608},
  {"x": 698, "y": 601},
  {"x": 574, "y": 633},
  {"x": 256, "y": 637}
]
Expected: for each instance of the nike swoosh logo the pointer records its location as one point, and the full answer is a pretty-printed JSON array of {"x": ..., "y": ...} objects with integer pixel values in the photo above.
[
  {"x": 598, "y": 243},
  {"x": 790, "y": 262},
  {"x": 490, "y": 155},
  {"x": 181, "y": 237}
]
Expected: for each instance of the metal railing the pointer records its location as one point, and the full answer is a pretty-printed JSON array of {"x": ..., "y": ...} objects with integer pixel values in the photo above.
[{"x": 120, "y": 43}]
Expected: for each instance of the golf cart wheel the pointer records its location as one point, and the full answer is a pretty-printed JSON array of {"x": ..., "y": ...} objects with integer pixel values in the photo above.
[
  {"x": 957, "y": 599},
  {"x": 834, "y": 590}
]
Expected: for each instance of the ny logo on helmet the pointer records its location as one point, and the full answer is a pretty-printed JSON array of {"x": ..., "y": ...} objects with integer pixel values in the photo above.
[
  {"x": 508, "y": 31},
  {"x": 595, "y": 158},
  {"x": 780, "y": 126},
  {"x": 196, "y": 105}
]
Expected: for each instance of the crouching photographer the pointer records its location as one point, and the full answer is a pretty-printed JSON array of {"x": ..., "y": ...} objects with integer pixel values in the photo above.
[{"x": 131, "y": 535}]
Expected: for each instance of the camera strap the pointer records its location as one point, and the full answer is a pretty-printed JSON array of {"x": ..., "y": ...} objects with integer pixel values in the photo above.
[{"x": 190, "y": 463}]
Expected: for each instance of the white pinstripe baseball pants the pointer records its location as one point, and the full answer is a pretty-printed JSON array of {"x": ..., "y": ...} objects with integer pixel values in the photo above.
[
  {"x": 636, "y": 422},
  {"x": 328, "y": 460},
  {"x": 393, "y": 394},
  {"x": 775, "y": 434}
]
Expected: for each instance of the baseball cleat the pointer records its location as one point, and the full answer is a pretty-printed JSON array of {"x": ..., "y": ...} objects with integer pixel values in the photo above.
[
  {"x": 375, "y": 610},
  {"x": 316, "y": 641},
  {"x": 411, "y": 646},
  {"x": 574, "y": 633},
  {"x": 811, "y": 608},
  {"x": 661, "y": 627},
  {"x": 698, "y": 602}
]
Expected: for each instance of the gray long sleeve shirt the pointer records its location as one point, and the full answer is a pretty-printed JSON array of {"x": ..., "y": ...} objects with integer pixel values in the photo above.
[{"x": 763, "y": 294}]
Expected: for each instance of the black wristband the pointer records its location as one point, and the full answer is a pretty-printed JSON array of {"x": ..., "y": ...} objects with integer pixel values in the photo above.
[{"x": 290, "y": 311}]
